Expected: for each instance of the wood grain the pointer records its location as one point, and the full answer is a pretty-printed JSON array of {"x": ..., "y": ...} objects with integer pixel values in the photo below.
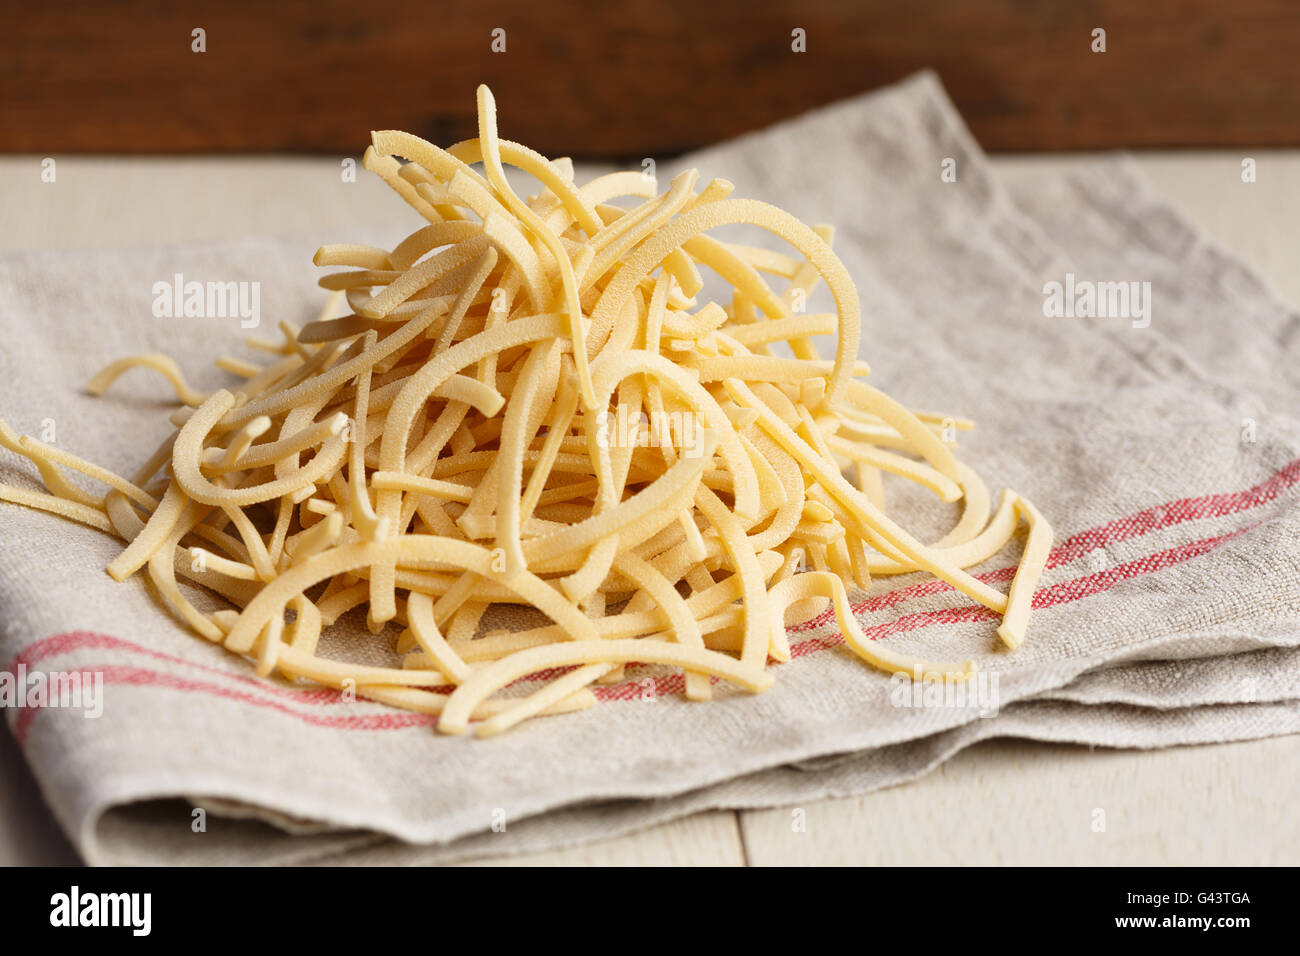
[
  {"x": 1018, "y": 803},
  {"x": 704, "y": 839},
  {"x": 635, "y": 78}
]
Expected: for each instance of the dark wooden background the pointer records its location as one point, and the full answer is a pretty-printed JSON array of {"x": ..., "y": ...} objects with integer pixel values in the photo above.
[{"x": 628, "y": 78}]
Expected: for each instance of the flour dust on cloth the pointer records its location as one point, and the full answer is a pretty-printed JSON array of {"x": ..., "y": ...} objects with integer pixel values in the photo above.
[{"x": 1176, "y": 542}]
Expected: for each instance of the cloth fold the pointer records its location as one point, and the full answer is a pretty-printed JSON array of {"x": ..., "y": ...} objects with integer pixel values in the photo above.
[{"x": 1167, "y": 458}]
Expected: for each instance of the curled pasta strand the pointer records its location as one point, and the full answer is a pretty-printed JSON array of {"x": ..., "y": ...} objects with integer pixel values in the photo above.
[{"x": 538, "y": 406}]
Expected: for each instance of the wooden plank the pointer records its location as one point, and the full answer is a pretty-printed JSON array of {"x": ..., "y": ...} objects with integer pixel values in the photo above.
[
  {"x": 635, "y": 79},
  {"x": 1010, "y": 802},
  {"x": 125, "y": 201},
  {"x": 705, "y": 839}
]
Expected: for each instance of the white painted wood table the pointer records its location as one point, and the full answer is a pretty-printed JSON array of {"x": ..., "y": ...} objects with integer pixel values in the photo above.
[{"x": 1003, "y": 801}]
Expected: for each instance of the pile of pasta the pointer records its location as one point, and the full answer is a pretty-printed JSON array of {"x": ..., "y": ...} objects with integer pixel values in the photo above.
[{"x": 460, "y": 440}]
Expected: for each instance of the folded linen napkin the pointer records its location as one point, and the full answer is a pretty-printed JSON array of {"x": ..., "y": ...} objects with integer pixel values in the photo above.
[{"x": 1172, "y": 489}]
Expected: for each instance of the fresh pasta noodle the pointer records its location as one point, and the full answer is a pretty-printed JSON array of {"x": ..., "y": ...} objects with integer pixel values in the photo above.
[{"x": 528, "y": 404}]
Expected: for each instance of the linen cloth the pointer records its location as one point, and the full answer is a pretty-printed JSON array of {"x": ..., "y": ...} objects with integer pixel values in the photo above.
[{"x": 1166, "y": 458}]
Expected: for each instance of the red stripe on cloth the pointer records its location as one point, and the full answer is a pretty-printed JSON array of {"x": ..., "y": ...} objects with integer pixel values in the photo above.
[
  {"x": 1091, "y": 584},
  {"x": 77, "y": 640},
  {"x": 1135, "y": 525},
  {"x": 645, "y": 688},
  {"x": 1143, "y": 522},
  {"x": 144, "y": 677},
  {"x": 1176, "y": 512},
  {"x": 1062, "y": 593}
]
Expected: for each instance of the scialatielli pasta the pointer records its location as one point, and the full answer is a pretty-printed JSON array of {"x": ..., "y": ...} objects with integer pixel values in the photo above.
[{"x": 530, "y": 402}]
